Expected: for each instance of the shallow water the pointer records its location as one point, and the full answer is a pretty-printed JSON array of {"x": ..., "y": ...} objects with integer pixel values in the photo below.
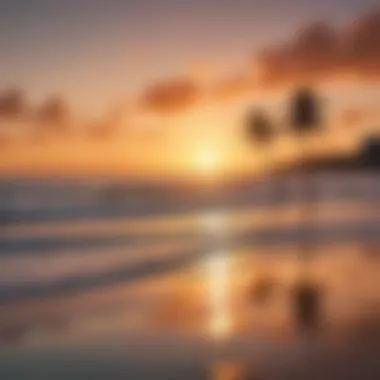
[{"x": 152, "y": 287}]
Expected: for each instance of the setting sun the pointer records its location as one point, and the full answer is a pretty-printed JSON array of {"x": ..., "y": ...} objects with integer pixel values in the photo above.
[{"x": 208, "y": 161}]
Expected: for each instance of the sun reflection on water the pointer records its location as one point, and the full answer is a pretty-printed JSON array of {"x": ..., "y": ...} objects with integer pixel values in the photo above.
[
  {"x": 217, "y": 270},
  {"x": 218, "y": 292}
]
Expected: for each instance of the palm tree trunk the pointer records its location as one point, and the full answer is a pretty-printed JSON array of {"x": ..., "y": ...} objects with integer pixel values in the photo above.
[
  {"x": 308, "y": 210},
  {"x": 306, "y": 297}
]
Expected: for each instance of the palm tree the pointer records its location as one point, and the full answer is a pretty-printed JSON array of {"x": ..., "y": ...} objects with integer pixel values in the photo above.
[
  {"x": 259, "y": 127},
  {"x": 306, "y": 114},
  {"x": 260, "y": 131},
  {"x": 306, "y": 118}
]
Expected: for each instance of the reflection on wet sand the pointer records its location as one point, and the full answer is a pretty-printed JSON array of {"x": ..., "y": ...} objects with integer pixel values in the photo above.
[
  {"x": 218, "y": 295},
  {"x": 226, "y": 371},
  {"x": 212, "y": 299},
  {"x": 223, "y": 296},
  {"x": 218, "y": 292}
]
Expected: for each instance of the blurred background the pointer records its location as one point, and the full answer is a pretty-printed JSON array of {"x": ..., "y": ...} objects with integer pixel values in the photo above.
[{"x": 189, "y": 190}]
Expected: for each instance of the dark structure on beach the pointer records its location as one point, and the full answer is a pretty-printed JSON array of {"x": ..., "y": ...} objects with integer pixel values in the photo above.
[{"x": 371, "y": 153}]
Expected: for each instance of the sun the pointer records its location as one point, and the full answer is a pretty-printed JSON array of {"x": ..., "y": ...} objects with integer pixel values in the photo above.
[{"x": 209, "y": 162}]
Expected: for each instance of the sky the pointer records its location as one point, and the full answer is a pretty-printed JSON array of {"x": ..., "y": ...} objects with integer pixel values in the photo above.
[
  {"x": 97, "y": 54},
  {"x": 97, "y": 51}
]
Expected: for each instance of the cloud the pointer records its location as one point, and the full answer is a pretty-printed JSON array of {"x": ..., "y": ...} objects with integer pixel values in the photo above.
[
  {"x": 4, "y": 140},
  {"x": 317, "y": 53},
  {"x": 110, "y": 124},
  {"x": 358, "y": 116},
  {"x": 320, "y": 51},
  {"x": 173, "y": 95},
  {"x": 362, "y": 45},
  {"x": 201, "y": 69},
  {"x": 313, "y": 52},
  {"x": 13, "y": 104},
  {"x": 54, "y": 110},
  {"x": 352, "y": 117},
  {"x": 233, "y": 87}
]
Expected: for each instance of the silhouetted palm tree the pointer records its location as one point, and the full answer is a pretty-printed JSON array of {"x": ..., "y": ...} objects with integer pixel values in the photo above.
[
  {"x": 306, "y": 113},
  {"x": 261, "y": 132},
  {"x": 306, "y": 118},
  {"x": 259, "y": 128}
]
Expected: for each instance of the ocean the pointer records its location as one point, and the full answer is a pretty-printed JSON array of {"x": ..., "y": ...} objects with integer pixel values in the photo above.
[{"x": 140, "y": 280}]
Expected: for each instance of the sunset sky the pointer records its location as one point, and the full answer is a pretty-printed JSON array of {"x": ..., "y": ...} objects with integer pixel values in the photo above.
[{"x": 179, "y": 75}]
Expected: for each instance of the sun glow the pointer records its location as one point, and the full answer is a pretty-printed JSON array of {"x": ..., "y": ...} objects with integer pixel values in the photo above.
[
  {"x": 208, "y": 162},
  {"x": 217, "y": 273},
  {"x": 220, "y": 323}
]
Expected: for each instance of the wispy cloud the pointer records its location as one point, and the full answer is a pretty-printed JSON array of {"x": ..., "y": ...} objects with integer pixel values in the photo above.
[
  {"x": 173, "y": 95},
  {"x": 320, "y": 51},
  {"x": 13, "y": 104}
]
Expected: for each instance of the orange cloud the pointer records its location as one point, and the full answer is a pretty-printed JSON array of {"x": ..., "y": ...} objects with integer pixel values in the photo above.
[
  {"x": 353, "y": 117},
  {"x": 4, "y": 140},
  {"x": 319, "y": 51},
  {"x": 362, "y": 43},
  {"x": 13, "y": 104},
  {"x": 233, "y": 87},
  {"x": 52, "y": 117},
  {"x": 171, "y": 96}
]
